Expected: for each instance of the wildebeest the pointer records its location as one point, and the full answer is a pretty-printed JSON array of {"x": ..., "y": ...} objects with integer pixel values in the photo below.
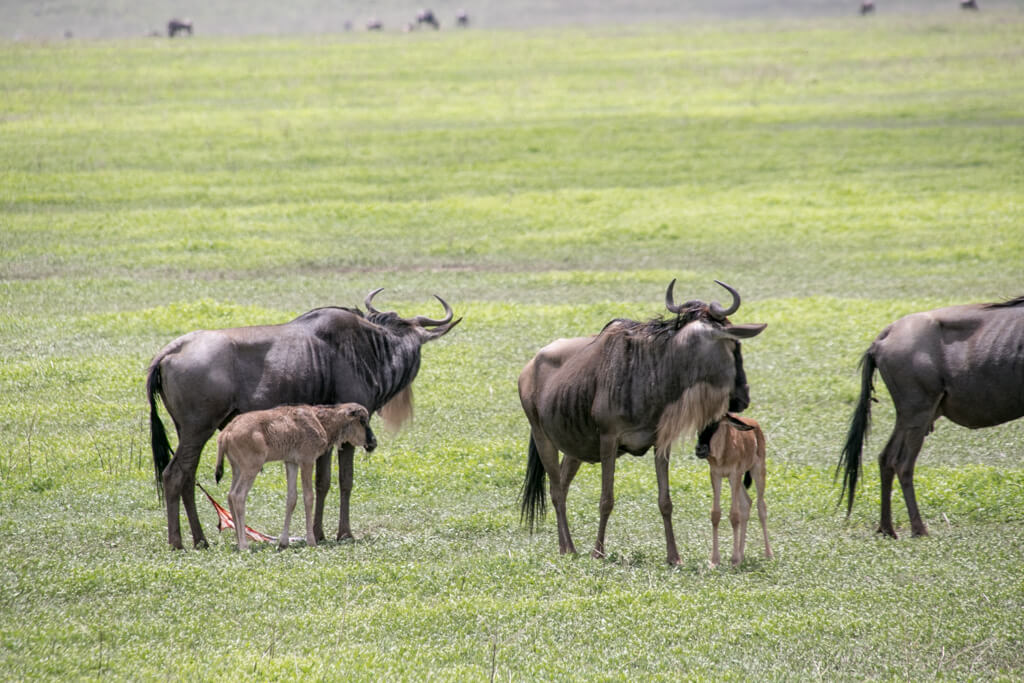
[
  {"x": 969, "y": 4},
  {"x": 426, "y": 16},
  {"x": 374, "y": 25},
  {"x": 738, "y": 454},
  {"x": 325, "y": 356},
  {"x": 298, "y": 435},
  {"x": 867, "y": 6},
  {"x": 962, "y": 362},
  {"x": 633, "y": 386},
  {"x": 176, "y": 26},
  {"x": 462, "y": 18}
]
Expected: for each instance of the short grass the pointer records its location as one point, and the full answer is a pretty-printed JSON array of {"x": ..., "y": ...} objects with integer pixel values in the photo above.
[{"x": 839, "y": 173}]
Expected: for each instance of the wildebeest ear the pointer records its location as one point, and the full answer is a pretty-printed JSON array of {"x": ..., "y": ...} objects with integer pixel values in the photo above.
[
  {"x": 736, "y": 423},
  {"x": 742, "y": 331}
]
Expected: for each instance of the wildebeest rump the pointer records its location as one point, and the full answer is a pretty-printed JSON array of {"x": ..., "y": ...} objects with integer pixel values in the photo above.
[
  {"x": 962, "y": 362},
  {"x": 326, "y": 356},
  {"x": 633, "y": 386}
]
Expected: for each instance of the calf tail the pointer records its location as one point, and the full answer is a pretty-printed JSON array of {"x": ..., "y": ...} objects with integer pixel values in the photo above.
[
  {"x": 157, "y": 434},
  {"x": 860, "y": 425},
  {"x": 532, "y": 496},
  {"x": 218, "y": 472}
]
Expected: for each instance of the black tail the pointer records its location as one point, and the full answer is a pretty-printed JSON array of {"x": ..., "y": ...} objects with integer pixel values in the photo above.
[
  {"x": 157, "y": 434},
  {"x": 532, "y": 496},
  {"x": 860, "y": 425}
]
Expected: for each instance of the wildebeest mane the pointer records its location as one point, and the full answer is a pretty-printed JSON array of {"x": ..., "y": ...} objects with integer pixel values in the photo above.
[{"x": 1010, "y": 303}]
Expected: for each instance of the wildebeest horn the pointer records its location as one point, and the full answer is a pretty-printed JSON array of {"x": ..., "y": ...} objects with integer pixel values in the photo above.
[
  {"x": 424, "y": 321},
  {"x": 669, "y": 299},
  {"x": 716, "y": 309},
  {"x": 369, "y": 298}
]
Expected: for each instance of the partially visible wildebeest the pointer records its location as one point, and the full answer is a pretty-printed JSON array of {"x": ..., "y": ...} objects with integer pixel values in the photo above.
[
  {"x": 426, "y": 16},
  {"x": 374, "y": 25},
  {"x": 968, "y": 4},
  {"x": 962, "y": 362},
  {"x": 867, "y": 6},
  {"x": 176, "y": 26},
  {"x": 298, "y": 435},
  {"x": 325, "y": 356},
  {"x": 462, "y": 18},
  {"x": 633, "y": 386},
  {"x": 737, "y": 454}
]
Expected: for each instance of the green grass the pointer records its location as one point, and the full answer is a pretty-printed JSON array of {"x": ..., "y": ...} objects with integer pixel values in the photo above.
[{"x": 839, "y": 173}]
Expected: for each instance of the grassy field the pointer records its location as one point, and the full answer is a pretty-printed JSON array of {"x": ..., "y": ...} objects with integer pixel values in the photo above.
[{"x": 840, "y": 173}]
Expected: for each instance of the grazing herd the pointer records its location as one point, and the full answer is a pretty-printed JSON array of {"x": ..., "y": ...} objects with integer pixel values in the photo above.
[{"x": 295, "y": 391}]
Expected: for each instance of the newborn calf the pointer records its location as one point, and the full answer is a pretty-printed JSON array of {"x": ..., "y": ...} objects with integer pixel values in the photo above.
[
  {"x": 298, "y": 435},
  {"x": 737, "y": 453}
]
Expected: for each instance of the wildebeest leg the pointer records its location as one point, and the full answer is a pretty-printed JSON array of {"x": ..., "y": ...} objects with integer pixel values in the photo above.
[
  {"x": 661, "y": 461},
  {"x": 716, "y": 514},
  {"x": 608, "y": 455},
  {"x": 292, "y": 471},
  {"x": 886, "y": 474},
  {"x": 912, "y": 440},
  {"x": 179, "y": 484},
  {"x": 739, "y": 514},
  {"x": 559, "y": 477},
  {"x": 307, "y": 501},
  {"x": 323, "y": 486},
  {"x": 345, "y": 457}
]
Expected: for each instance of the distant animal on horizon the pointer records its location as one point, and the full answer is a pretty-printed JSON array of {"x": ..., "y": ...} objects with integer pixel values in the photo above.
[
  {"x": 738, "y": 454},
  {"x": 326, "y": 356},
  {"x": 298, "y": 435},
  {"x": 426, "y": 16},
  {"x": 176, "y": 26},
  {"x": 965, "y": 363},
  {"x": 374, "y": 25},
  {"x": 632, "y": 386},
  {"x": 867, "y": 7},
  {"x": 969, "y": 4},
  {"x": 462, "y": 18}
]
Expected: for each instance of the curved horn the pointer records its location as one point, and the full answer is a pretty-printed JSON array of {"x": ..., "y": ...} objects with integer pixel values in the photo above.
[
  {"x": 369, "y": 298},
  {"x": 424, "y": 321},
  {"x": 669, "y": 299},
  {"x": 717, "y": 311}
]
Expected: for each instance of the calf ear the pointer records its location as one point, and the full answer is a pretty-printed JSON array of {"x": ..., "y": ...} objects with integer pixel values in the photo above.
[
  {"x": 737, "y": 424},
  {"x": 742, "y": 331}
]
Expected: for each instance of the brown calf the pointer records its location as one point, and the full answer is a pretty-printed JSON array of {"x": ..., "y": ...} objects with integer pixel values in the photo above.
[
  {"x": 298, "y": 435},
  {"x": 738, "y": 453}
]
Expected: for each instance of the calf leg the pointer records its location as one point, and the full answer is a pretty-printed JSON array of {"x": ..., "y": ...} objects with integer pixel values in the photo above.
[
  {"x": 716, "y": 514},
  {"x": 739, "y": 513},
  {"x": 661, "y": 461},
  {"x": 292, "y": 470},
  {"x": 759, "y": 475},
  {"x": 307, "y": 501},
  {"x": 241, "y": 482}
]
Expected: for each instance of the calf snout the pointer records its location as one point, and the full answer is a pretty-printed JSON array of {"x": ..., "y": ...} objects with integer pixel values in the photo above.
[{"x": 371, "y": 440}]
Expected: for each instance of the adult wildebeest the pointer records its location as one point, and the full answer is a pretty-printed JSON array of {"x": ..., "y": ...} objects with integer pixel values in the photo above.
[
  {"x": 426, "y": 16},
  {"x": 962, "y": 362},
  {"x": 325, "y": 356},
  {"x": 633, "y": 386},
  {"x": 176, "y": 26},
  {"x": 298, "y": 435},
  {"x": 737, "y": 453}
]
